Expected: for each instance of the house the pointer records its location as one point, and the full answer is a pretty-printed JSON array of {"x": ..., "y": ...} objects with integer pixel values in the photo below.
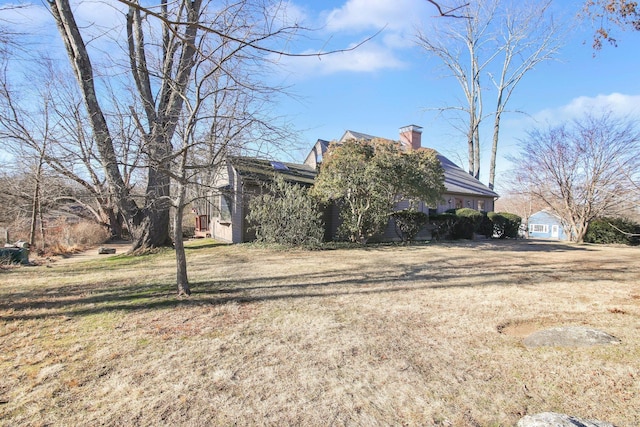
[
  {"x": 240, "y": 178},
  {"x": 545, "y": 224},
  {"x": 462, "y": 189}
]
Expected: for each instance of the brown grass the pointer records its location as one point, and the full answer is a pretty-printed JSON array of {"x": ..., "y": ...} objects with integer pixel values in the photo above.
[
  {"x": 61, "y": 237},
  {"x": 424, "y": 335}
]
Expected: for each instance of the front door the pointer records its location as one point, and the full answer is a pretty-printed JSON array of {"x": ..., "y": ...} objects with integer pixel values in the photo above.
[{"x": 554, "y": 231}]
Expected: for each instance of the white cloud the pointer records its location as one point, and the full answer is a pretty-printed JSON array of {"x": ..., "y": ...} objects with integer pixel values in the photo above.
[
  {"x": 616, "y": 103},
  {"x": 370, "y": 57},
  {"x": 358, "y": 15},
  {"x": 360, "y": 19},
  {"x": 28, "y": 17},
  {"x": 288, "y": 13}
]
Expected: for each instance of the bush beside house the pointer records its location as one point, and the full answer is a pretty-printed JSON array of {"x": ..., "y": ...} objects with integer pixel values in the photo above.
[
  {"x": 409, "y": 223},
  {"x": 368, "y": 179},
  {"x": 465, "y": 223},
  {"x": 613, "y": 230},
  {"x": 505, "y": 224},
  {"x": 286, "y": 214}
]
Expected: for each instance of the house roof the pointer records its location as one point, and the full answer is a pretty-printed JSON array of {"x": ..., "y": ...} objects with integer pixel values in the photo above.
[
  {"x": 546, "y": 212},
  {"x": 457, "y": 180},
  {"x": 323, "y": 144},
  {"x": 262, "y": 169},
  {"x": 349, "y": 134}
]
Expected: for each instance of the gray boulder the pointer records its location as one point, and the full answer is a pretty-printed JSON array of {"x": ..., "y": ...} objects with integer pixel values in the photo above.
[
  {"x": 553, "y": 419},
  {"x": 569, "y": 336}
]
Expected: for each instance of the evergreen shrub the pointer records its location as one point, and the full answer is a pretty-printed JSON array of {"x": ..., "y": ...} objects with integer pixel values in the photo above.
[
  {"x": 470, "y": 222},
  {"x": 504, "y": 224},
  {"x": 286, "y": 214},
  {"x": 442, "y": 225},
  {"x": 602, "y": 231},
  {"x": 409, "y": 223}
]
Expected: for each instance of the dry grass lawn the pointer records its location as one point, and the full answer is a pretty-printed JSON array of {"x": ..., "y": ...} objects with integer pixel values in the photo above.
[{"x": 423, "y": 335}]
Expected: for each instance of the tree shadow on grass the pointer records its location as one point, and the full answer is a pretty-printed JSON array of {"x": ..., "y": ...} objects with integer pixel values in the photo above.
[
  {"x": 540, "y": 245},
  {"x": 203, "y": 244},
  {"x": 519, "y": 245},
  {"x": 87, "y": 299}
]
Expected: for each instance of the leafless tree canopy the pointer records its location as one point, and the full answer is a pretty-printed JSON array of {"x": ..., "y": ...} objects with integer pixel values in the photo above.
[
  {"x": 582, "y": 170},
  {"x": 489, "y": 54},
  {"x": 187, "y": 88}
]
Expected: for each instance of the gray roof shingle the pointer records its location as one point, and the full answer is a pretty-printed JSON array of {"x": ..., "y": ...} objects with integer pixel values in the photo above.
[
  {"x": 262, "y": 169},
  {"x": 457, "y": 180}
]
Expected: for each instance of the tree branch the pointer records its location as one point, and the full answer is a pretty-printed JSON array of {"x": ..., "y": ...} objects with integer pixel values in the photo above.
[{"x": 449, "y": 13}]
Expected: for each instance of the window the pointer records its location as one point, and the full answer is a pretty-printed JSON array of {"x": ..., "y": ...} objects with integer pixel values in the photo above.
[
  {"x": 481, "y": 205},
  {"x": 538, "y": 228},
  {"x": 225, "y": 209},
  {"x": 459, "y": 203},
  {"x": 222, "y": 204}
]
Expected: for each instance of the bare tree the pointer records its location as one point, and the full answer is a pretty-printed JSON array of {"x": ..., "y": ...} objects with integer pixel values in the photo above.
[
  {"x": 162, "y": 77},
  {"x": 73, "y": 155},
  {"x": 19, "y": 126},
  {"x": 222, "y": 99},
  {"x": 459, "y": 45},
  {"x": 218, "y": 111},
  {"x": 83, "y": 71},
  {"x": 528, "y": 38},
  {"x": 581, "y": 169},
  {"x": 500, "y": 40},
  {"x": 47, "y": 123}
]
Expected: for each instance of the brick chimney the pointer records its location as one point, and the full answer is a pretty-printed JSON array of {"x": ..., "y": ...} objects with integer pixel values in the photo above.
[{"x": 411, "y": 137}]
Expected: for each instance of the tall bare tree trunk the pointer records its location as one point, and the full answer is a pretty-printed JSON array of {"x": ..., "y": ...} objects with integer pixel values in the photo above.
[
  {"x": 153, "y": 231},
  {"x": 470, "y": 139},
  {"x": 494, "y": 148},
  {"x": 115, "y": 223},
  {"x": 162, "y": 113},
  {"x": 42, "y": 228},
  {"x": 34, "y": 208},
  {"x": 36, "y": 204},
  {"x": 182, "y": 279},
  {"x": 476, "y": 152},
  {"x": 81, "y": 64}
]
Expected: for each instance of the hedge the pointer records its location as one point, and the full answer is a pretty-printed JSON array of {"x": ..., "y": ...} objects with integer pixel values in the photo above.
[
  {"x": 505, "y": 224},
  {"x": 409, "y": 223},
  {"x": 603, "y": 230},
  {"x": 464, "y": 223}
]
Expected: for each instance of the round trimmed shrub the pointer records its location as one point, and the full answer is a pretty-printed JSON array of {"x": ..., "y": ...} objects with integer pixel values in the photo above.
[{"x": 409, "y": 223}]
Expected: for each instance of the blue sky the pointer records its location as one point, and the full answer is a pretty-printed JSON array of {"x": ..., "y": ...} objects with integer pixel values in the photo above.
[
  {"x": 389, "y": 82},
  {"x": 402, "y": 85}
]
